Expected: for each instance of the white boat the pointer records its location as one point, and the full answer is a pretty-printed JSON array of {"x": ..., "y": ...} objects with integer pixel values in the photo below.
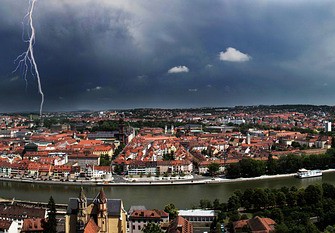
[{"x": 304, "y": 173}]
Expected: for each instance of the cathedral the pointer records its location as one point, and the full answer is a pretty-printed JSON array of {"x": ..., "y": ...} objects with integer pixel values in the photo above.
[{"x": 99, "y": 214}]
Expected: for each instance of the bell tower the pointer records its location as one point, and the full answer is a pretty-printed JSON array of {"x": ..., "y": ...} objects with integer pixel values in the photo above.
[
  {"x": 102, "y": 212},
  {"x": 82, "y": 212}
]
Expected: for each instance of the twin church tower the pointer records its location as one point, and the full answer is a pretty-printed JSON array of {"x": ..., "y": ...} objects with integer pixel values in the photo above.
[{"x": 99, "y": 214}]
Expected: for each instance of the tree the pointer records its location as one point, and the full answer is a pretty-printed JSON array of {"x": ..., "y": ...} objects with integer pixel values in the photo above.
[
  {"x": 233, "y": 170},
  {"x": 281, "y": 228},
  {"x": 171, "y": 210},
  {"x": 178, "y": 133},
  {"x": 280, "y": 198},
  {"x": 277, "y": 215},
  {"x": 233, "y": 216},
  {"x": 205, "y": 204},
  {"x": 238, "y": 193},
  {"x": 214, "y": 225},
  {"x": 291, "y": 198},
  {"x": 333, "y": 142},
  {"x": 284, "y": 189},
  {"x": 290, "y": 163},
  {"x": 313, "y": 194},
  {"x": 216, "y": 204},
  {"x": 299, "y": 217},
  {"x": 311, "y": 228},
  {"x": 330, "y": 229},
  {"x": 168, "y": 156},
  {"x": 221, "y": 216},
  {"x": 247, "y": 198},
  {"x": 118, "y": 169},
  {"x": 105, "y": 160},
  {"x": 252, "y": 168},
  {"x": 213, "y": 168},
  {"x": 260, "y": 198},
  {"x": 234, "y": 203},
  {"x": 50, "y": 225},
  {"x": 296, "y": 144},
  {"x": 328, "y": 191},
  {"x": 271, "y": 198},
  {"x": 151, "y": 228},
  {"x": 271, "y": 166},
  {"x": 301, "y": 197}
]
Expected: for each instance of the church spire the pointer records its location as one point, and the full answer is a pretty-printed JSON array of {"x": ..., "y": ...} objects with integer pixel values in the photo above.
[
  {"x": 102, "y": 196},
  {"x": 82, "y": 194},
  {"x": 82, "y": 214}
]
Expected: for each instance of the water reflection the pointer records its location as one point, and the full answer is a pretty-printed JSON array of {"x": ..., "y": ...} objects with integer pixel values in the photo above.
[{"x": 313, "y": 180}]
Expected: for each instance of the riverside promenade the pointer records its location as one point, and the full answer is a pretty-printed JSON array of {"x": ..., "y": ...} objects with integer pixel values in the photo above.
[
  {"x": 141, "y": 181},
  {"x": 154, "y": 181},
  {"x": 119, "y": 182}
]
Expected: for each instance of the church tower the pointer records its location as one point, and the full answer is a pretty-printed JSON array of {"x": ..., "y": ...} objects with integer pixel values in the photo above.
[
  {"x": 82, "y": 214},
  {"x": 102, "y": 212}
]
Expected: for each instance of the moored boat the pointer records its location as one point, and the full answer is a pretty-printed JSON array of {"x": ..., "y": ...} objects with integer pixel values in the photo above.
[{"x": 304, "y": 173}]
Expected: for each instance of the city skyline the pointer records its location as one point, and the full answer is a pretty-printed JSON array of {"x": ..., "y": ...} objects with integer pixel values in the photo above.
[{"x": 122, "y": 54}]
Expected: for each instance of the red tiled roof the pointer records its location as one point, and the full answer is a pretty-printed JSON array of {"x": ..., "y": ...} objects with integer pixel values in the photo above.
[
  {"x": 102, "y": 168},
  {"x": 5, "y": 224},
  {"x": 32, "y": 225},
  {"x": 256, "y": 224},
  {"x": 91, "y": 227},
  {"x": 62, "y": 168},
  {"x": 103, "y": 148},
  {"x": 83, "y": 156},
  {"x": 151, "y": 214},
  {"x": 90, "y": 142}
]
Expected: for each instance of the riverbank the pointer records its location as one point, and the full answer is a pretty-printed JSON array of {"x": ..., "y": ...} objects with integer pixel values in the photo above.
[
  {"x": 155, "y": 196},
  {"x": 146, "y": 182}
]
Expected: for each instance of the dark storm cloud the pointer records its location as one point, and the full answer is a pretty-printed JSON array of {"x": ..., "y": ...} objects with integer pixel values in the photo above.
[{"x": 121, "y": 52}]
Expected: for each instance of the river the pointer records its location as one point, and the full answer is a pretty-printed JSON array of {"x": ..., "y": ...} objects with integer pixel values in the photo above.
[{"x": 183, "y": 196}]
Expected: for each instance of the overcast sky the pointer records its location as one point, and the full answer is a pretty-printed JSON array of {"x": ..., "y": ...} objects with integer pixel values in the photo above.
[{"x": 123, "y": 54}]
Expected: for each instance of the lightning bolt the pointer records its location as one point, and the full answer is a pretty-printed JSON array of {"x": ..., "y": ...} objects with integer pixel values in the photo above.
[{"x": 27, "y": 59}]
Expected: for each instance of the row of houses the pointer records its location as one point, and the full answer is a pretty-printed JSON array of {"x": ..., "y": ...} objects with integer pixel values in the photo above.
[
  {"x": 29, "y": 169},
  {"x": 155, "y": 167}
]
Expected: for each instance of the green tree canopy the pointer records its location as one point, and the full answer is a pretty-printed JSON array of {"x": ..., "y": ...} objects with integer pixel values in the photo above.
[
  {"x": 252, "y": 168},
  {"x": 151, "y": 228},
  {"x": 205, "y": 204},
  {"x": 213, "y": 168},
  {"x": 50, "y": 225},
  {"x": 105, "y": 160},
  {"x": 313, "y": 194},
  {"x": 171, "y": 210},
  {"x": 234, "y": 203}
]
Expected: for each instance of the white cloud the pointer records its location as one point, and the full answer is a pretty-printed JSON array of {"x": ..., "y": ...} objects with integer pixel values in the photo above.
[
  {"x": 233, "y": 55},
  {"x": 97, "y": 88},
  {"x": 178, "y": 69},
  {"x": 193, "y": 89},
  {"x": 141, "y": 77}
]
